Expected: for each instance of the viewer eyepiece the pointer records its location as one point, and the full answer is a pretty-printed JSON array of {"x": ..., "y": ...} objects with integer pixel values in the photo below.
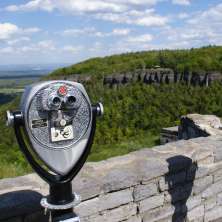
[
  {"x": 71, "y": 100},
  {"x": 54, "y": 102}
]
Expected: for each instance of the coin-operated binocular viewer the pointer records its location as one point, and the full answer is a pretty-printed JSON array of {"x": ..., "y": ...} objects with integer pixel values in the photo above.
[{"x": 55, "y": 130}]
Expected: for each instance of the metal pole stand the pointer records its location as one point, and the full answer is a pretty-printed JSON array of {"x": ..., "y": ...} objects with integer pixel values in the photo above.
[{"x": 60, "y": 203}]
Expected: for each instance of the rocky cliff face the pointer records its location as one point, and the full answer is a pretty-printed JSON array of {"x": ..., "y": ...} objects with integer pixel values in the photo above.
[
  {"x": 163, "y": 76},
  {"x": 153, "y": 76}
]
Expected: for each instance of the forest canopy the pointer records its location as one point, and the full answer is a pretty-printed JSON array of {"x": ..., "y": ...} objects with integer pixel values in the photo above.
[
  {"x": 136, "y": 112},
  {"x": 196, "y": 59}
]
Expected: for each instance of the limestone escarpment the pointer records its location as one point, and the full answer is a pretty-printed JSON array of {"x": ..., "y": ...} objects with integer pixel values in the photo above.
[{"x": 152, "y": 76}]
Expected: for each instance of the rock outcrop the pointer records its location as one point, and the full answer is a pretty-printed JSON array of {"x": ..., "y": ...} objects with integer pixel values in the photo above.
[
  {"x": 192, "y": 126},
  {"x": 151, "y": 76},
  {"x": 163, "y": 76},
  {"x": 196, "y": 125}
]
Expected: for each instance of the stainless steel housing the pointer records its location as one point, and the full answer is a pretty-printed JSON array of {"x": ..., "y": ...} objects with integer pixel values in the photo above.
[{"x": 41, "y": 117}]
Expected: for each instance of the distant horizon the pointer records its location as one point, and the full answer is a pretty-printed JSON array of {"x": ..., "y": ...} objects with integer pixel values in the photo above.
[
  {"x": 31, "y": 67},
  {"x": 33, "y": 64},
  {"x": 76, "y": 62}
]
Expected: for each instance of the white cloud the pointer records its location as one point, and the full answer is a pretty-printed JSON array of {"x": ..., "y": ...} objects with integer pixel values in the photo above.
[
  {"x": 6, "y": 50},
  {"x": 131, "y": 44},
  {"x": 46, "y": 5},
  {"x": 68, "y": 5},
  {"x": 17, "y": 40},
  {"x": 78, "y": 32},
  {"x": 208, "y": 24},
  {"x": 9, "y": 30},
  {"x": 183, "y": 15},
  {"x": 212, "y": 16},
  {"x": 121, "y": 32},
  {"x": 40, "y": 47},
  {"x": 97, "y": 47},
  {"x": 136, "y": 2},
  {"x": 198, "y": 29},
  {"x": 72, "y": 49},
  {"x": 93, "y": 32},
  {"x": 202, "y": 28},
  {"x": 114, "y": 32},
  {"x": 181, "y": 2},
  {"x": 194, "y": 28},
  {"x": 140, "y": 39},
  {"x": 46, "y": 45},
  {"x": 80, "y": 6},
  {"x": 151, "y": 20},
  {"x": 119, "y": 11},
  {"x": 31, "y": 30},
  {"x": 85, "y": 6},
  {"x": 142, "y": 18}
]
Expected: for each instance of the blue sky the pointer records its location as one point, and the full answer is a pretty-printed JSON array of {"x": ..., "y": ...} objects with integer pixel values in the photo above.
[{"x": 69, "y": 31}]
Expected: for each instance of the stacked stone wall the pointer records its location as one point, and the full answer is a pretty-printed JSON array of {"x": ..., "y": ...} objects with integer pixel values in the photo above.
[{"x": 179, "y": 181}]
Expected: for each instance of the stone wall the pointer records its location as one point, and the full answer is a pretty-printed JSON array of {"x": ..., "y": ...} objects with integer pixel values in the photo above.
[
  {"x": 192, "y": 126},
  {"x": 196, "y": 125},
  {"x": 168, "y": 135},
  {"x": 179, "y": 181}
]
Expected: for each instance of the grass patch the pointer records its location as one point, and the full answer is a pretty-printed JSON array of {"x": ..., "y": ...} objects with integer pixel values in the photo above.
[
  {"x": 12, "y": 169},
  {"x": 102, "y": 152},
  {"x": 11, "y": 90}
]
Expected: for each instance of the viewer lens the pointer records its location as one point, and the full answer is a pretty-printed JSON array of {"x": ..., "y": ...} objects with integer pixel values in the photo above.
[
  {"x": 71, "y": 100},
  {"x": 56, "y": 101}
]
